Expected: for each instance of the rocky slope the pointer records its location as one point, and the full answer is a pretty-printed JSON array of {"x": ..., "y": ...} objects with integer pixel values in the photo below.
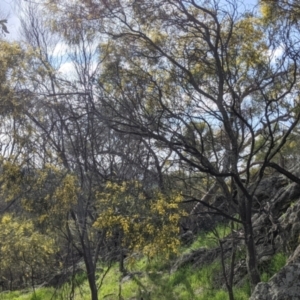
[{"x": 277, "y": 229}]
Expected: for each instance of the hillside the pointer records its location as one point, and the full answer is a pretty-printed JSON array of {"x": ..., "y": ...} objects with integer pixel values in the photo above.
[
  {"x": 149, "y": 149},
  {"x": 196, "y": 272}
]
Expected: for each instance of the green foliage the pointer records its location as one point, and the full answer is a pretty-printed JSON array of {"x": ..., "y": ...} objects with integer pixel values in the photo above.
[
  {"x": 79, "y": 279},
  {"x": 11, "y": 179},
  {"x": 11, "y": 55},
  {"x": 148, "y": 224},
  {"x": 277, "y": 262},
  {"x": 273, "y": 11},
  {"x": 46, "y": 193},
  {"x": 25, "y": 253},
  {"x": 209, "y": 239},
  {"x": 185, "y": 284},
  {"x": 52, "y": 192},
  {"x": 38, "y": 294},
  {"x": 196, "y": 84}
]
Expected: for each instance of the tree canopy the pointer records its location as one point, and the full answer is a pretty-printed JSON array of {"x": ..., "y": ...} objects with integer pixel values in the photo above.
[{"x": 117, "y": 114}]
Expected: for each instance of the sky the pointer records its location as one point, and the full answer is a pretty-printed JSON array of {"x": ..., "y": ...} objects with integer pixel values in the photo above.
[{"x": 8, "y": 9}]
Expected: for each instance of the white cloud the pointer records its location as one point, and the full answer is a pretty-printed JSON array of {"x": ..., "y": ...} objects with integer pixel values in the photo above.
[
  {"x": 67, "y": 69},
  {"x": 60, "y": 49},
  {"x": 276, "y": 53}
]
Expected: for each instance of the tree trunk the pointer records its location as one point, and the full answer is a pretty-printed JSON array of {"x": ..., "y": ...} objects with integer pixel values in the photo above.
[
  {"x": 251, "y": 260},
  {"x": 91, "y": 276},
  {"x": 90, "y": 266},
  {"x": 121, "y": 262}
]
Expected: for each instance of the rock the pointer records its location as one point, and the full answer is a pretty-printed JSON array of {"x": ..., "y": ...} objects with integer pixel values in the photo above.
[
  {"x": 295, "y": 257},
  {"x": 276, "y": 228},
  {"x": 269, "y": 186},
  {"x": 282, "y": 200},
  {"x": 285, "y": 285}
]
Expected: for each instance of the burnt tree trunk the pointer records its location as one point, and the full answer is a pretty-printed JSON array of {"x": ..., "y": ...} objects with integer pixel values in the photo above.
[
  {"x": 251, "y": 259},
  {"x": 90, "y": 269}
]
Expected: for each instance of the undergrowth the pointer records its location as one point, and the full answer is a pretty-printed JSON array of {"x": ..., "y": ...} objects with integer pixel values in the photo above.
[
  {"x": 271, "y": 267},
  {"x": 153, "y": 279},
  {"x": 208, "y": 239}
]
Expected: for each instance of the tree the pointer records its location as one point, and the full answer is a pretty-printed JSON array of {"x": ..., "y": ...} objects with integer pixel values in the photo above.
[
  {"x": 273, "y": 10},
  {"x": 67, "y": 146},
  {"x": 144, "y": 220},
  {"x": 169, "y": 65},
  {"x": 26, "y": 255},
  {"x": 187, "y": 88}
]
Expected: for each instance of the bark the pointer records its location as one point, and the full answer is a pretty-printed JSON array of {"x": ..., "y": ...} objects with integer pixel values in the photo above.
[
  {"x": 90, "y": 269},
  {"x": 251, "y": 259},
  {"x": 121, "y": 262},
  {"x": 90, "y": 265}
]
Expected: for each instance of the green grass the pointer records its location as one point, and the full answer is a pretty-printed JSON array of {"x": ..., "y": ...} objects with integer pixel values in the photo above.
[
  {"x": 185, "y": 284},
  {"x": 153, "y": 280},
  {"x": 272, "y": 267},
  {"x": 209, "y": 239},
  {"x": 39, "y": 294}
]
